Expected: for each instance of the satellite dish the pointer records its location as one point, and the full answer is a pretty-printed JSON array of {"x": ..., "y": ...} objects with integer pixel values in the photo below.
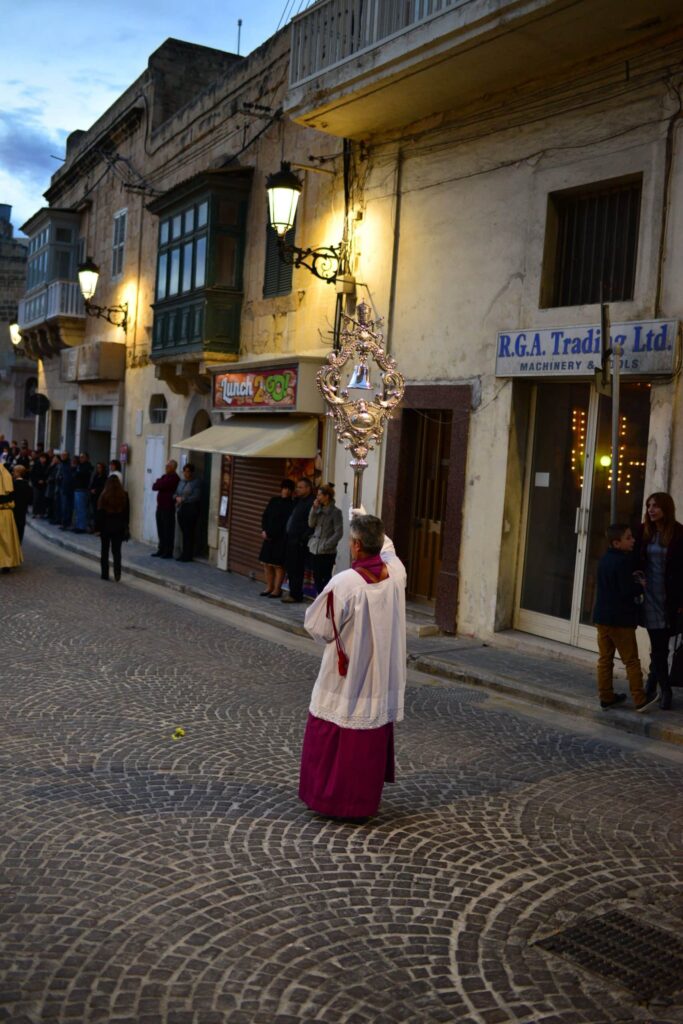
[{"x": 38, "y": 404}]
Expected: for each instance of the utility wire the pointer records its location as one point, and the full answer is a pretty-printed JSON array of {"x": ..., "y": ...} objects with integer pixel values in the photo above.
[{"x": 284, "y": 16}]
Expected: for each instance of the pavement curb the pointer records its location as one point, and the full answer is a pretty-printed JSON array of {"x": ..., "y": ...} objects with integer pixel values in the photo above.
[{"x": 625, "y": 720}]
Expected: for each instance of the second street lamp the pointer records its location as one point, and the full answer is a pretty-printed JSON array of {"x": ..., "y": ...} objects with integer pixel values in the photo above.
[
  {"x": 88, "y": 276},
  {"x": 283, "y": 189}
]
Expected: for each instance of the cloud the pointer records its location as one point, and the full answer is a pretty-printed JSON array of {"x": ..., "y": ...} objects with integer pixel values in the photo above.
[
  {"x": 26, "y": 148},
  {"x": 105, "y": 80}
]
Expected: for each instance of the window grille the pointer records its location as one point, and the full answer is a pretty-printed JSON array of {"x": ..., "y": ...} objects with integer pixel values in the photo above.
[
  {"x": 592, "y": 244},
  {"x": 158, "y": 408}
]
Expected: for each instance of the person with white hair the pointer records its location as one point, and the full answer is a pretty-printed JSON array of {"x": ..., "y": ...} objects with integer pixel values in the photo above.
[{"x": 348, "y": 748}]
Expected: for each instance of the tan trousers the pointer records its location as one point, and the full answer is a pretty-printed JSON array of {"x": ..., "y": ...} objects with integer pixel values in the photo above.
[{"x": 623, "y": 640}]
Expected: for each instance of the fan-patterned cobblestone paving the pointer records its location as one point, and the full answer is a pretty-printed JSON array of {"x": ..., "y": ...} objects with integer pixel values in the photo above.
[{"x": 153, "y": 881}]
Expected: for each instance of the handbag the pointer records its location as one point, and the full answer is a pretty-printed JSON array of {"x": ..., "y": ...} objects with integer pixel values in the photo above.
[{"x": 342, "y": 656}]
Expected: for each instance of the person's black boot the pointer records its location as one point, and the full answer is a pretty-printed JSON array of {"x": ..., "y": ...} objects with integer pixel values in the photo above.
[
  {"x": 665, "y": 701},
  {"x": 651, "y": 687}
]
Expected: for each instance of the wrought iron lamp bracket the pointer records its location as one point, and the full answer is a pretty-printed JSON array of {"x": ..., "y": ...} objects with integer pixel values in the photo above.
[
  {"x": 326, "y": 262},
  {"x": 116, "y": 315}
]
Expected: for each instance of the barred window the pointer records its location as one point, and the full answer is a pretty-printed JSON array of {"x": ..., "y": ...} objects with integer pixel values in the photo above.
[
  {"x": 158, "y": 408},
  {"x": 591, "y": 243}
]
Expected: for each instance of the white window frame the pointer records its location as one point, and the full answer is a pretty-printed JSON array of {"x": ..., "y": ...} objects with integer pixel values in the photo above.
[{"x": 118, "y": 242}]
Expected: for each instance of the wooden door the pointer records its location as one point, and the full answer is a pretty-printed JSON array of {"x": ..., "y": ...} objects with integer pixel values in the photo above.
[
  {"x": 432, "y": 433},
  {"x": 155, "y": 455}
]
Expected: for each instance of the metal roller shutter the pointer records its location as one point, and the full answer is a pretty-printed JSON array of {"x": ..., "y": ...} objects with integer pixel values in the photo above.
[{"x": 254, "y": 483}]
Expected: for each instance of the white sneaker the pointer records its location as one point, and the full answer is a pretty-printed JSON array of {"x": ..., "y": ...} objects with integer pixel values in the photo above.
[{"x": 647, "y": 704}]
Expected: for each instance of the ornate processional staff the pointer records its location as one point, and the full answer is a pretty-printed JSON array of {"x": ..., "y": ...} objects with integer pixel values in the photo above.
[{"x": 359, "y": 422}]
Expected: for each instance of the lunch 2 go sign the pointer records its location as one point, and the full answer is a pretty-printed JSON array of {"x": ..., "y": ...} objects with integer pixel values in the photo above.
[
  {"x": 272, "y": 388},
  {"x": 647, "y": 348}
]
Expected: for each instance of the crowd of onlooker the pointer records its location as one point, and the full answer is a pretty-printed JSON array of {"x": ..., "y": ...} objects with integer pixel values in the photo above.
[
  {"x": 301, "y": 526},
  {"x": 57, "y": 486}
]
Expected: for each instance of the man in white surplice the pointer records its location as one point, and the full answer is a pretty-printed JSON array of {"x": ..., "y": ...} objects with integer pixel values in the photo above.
[{"x": 348, "y": 750}]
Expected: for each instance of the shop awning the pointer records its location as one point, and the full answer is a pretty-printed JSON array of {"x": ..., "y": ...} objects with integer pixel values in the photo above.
[{"x": 258, "y": 437}]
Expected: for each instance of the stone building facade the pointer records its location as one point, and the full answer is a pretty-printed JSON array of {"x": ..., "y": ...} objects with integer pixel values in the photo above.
[
  {"x": 494, "y": 170},
  {"x": 516, "y": 159},
  {"x": 17, "y": 373},
  {"x": 166, "y": 193}
]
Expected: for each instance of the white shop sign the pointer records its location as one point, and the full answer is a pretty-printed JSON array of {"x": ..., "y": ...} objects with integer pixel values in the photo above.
[{"x": 648, "y": 347}]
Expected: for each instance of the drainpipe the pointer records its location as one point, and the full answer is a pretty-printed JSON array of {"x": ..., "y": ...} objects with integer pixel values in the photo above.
[
  {"x": 388, "y": 336},
  {"x": 345, "y": 296},
  {"x": 661, "y": 256},
  {"x": 668, "y": 169},
  {"x": 395, "y": 250}
]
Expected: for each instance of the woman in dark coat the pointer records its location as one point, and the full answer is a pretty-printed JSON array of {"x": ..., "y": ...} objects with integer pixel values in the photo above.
[
  {"x": 113, "y": 512},
  {"x": 95, "y": 488},
  {"x": 274, "y": 533},
  {"x": 22, "y": 497},
  {"x": 52, "y": 490},
  {"x": 659, "y": 555},
  {"x": 39, "y": 471}
]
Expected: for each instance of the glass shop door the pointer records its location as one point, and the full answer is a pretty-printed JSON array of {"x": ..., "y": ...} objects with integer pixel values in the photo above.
[{"x": 567, "y": 502}]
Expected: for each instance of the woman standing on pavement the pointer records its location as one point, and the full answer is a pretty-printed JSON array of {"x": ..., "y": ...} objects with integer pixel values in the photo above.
[
  {"x": 659, "y": 554},
  {"x": 274, "y": 533},
  {"x": 325, "y": 519},
  {"x": 113, "y": 512},
  {"x": 38, "y": 476},
  {"x": 95, "y": 487},
  {"x": 52, "y": 490}
]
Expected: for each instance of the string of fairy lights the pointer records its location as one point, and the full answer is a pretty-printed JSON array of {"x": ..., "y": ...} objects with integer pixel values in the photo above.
[{"x": 625, "y": 464}]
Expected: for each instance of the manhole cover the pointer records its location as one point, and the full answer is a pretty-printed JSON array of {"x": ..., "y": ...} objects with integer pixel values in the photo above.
[{"x": 646, "y": 960}]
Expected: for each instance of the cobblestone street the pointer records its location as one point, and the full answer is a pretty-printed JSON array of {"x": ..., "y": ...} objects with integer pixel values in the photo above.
[{"x": 148, "y": 880}]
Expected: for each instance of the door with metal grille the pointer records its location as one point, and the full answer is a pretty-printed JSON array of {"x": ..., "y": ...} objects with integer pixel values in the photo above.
[
  {"x": 432, "y": 432},
  {"x": 254, "y": 483}
]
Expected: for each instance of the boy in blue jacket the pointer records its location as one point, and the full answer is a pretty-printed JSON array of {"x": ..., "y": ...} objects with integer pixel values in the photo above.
[{"x": 616, "y": 617}]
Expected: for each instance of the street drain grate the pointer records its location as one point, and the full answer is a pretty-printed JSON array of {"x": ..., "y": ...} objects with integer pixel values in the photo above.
[{"x": 645, "y": 959}]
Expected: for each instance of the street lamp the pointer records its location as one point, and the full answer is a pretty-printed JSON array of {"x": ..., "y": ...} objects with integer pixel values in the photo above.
[
  {"x": 283, "y": 189},
  {"x": 15, "y": 334},
  {"x": 359, "y": 422},
  {"x": 88, "y": 276}
]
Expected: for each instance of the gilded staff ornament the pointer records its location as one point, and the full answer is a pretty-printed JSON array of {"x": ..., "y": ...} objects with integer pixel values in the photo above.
[{"x": 359, "y": 422}]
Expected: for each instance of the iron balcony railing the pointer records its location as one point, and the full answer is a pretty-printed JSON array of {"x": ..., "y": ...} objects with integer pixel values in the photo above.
[
  {"x": 59, "y": 298},
  {"x": 332, "y": 31}
]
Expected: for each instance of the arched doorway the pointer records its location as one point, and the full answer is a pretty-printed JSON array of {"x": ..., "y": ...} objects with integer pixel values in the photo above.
[{"x": 202, "y": 464}]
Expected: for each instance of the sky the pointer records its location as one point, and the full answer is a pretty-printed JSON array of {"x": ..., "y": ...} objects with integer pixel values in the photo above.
[{"x": 64, "y": 63}]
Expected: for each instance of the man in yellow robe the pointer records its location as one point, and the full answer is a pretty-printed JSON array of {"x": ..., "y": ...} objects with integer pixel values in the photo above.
[{"x": 10, "y": 548}]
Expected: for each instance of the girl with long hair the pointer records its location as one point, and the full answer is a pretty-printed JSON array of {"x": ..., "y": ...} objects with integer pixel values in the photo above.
[
  {"x": 113, "y": 512},
  {"x": 659, "y": 553}
]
